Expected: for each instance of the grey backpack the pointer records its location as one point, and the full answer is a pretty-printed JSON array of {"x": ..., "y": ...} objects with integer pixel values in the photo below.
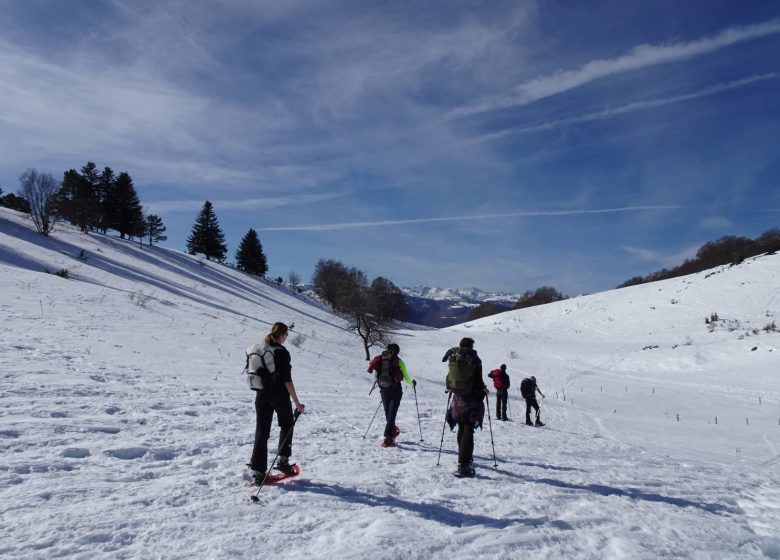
[{"x": 260, "y": 369}]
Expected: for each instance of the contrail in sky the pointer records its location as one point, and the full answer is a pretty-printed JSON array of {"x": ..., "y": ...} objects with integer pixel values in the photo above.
[
  {"x": 641, "y": 56},
  {"x": 628, "y": 108},
  {"x": 529, "y": 214}
]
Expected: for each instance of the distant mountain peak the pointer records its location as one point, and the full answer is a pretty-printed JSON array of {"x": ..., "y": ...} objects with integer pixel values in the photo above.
[
  {"x": 442, "y": 307},
  {"x": 466, "y": 295}
]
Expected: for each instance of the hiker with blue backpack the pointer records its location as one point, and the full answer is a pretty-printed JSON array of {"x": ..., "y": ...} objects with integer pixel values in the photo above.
[
  {"x": 269, "y": 372},
  {"x": 466, "y": 408},
  {"x": 390, "y": 370}
]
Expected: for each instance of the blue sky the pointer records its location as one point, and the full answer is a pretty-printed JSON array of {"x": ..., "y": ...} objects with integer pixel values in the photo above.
[{"x": 503, "y": 145}]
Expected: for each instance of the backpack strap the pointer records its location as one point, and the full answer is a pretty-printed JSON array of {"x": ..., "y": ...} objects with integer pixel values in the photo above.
[{"x": 260, "y": 355}]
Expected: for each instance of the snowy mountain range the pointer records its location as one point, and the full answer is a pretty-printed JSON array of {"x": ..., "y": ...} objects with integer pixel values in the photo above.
[
  {"x": 469, "y": 296},
  {"x": 444, "y": 307},
  {"x": 126, "y": 421}
]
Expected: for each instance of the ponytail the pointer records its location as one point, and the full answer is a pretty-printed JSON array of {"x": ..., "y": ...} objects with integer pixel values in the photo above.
[{"x": 278, "y": 330}]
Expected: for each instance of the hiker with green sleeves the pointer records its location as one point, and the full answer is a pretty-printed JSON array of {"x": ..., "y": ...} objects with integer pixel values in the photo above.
[{"x": 390, "y": 370}]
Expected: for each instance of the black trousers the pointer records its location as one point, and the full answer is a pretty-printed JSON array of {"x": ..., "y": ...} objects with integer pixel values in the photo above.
[
  {"x": 266, "y": 403},
  {"x": 391, "y": 400},
  {"x": 501, "y": 399},
  {"x": 531, "y": 403},
  {"x": 465, "y": 443}
]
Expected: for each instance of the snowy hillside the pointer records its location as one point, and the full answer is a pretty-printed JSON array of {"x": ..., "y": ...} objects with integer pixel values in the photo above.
[{"x": 126, "y": 423}]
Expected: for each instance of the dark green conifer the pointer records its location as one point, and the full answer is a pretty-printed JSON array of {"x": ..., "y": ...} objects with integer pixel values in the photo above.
[
  {"x": 206, "y": 237},
  {"x": 250, "y": 257}
]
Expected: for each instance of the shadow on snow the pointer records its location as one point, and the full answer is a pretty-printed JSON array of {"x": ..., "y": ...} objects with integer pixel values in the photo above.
[{"x": 433, "y": 512}]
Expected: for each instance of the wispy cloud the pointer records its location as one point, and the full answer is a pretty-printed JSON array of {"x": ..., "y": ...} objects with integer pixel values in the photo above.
[
  {"x": 630, "y": 107},
  {"x": 641, "y": 56},
  {"x": 662, "y": 258},
  {"x": 529, "y": 214},
  {"x": 187, "y": 206}
]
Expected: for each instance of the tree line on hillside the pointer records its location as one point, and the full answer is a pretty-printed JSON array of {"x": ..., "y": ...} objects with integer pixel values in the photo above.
[
  {"x": 529, "y": 298},
  {"x": 729, "y": 249},
  {"x": 90, "y": 199},
  {"x": 100, "y": 200}
]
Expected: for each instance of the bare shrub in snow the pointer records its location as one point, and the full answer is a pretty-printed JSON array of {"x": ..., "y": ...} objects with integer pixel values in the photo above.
[
  {"x": 62, "y": 273},
  {"x": 140, "y": 299}
]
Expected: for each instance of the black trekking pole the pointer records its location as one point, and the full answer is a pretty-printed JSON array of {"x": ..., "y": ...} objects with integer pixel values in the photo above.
[
  {"x": 449, "y": 396},
  {"x": 418, "y": 411},
  {"x": 372, "y": 388},
  {"x": 372, "y": 420},
  {"x": 296, "y": 414},
  {"x": 487, "y": 403}
]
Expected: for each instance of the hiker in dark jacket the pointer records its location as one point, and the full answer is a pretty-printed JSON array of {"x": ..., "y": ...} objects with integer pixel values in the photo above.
[
  {"x": 467, "y": 408},
  {"x": 501, "y": 384},
  {"x": 392, "y": 394},
  {"x": 528, "y": 389},
  {"x": 275, "y": 398}
]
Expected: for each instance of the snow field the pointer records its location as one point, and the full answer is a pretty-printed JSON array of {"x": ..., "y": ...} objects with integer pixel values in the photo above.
[{"x": 126, "y": 422}]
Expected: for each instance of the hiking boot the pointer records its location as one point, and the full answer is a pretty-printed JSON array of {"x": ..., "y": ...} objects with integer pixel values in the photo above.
[
  {"x": 283, "y": 465},
  {"x": 465, "y": 471},
  {"x": 396, "y": 431},
  {"x": 528, "y": 423},
  {"x": 388, "y": 442},
  {"x": 539, "y": 423},
  {"x": 257, "y": 477}
]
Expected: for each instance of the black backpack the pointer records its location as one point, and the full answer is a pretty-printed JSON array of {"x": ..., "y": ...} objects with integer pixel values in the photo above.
[
  {"x": 385, "y": 377},
  {"x": 527, "y": 388}
]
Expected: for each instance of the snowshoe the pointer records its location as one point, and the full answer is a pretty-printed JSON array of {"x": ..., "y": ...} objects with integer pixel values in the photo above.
[
  {"x": 539, "y": 423},
  {"x": 257, "y": 477},
  {"x": 465, "y": 472},
  {"x": 286, "y": 468},
  {"x": 388, "y": 442}
]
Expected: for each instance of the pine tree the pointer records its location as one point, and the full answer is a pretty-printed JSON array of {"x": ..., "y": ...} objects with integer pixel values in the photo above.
[
  {"x": 89, "y": 197},
  {"x": 250, "y": 257},
  {"x": 104, "y": 191},
  {"x": 155, "y": 229},
  {"x": 76, "y": 199},
  {"x": 206, "y": 236},
  {"x": 129, "y": 217}
]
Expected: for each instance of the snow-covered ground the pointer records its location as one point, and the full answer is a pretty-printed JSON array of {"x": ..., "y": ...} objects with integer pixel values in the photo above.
[{"x": 125, "y": 423}]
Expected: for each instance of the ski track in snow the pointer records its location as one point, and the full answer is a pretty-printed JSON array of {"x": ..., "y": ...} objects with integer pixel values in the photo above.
[{"x": 126, "y": 423}]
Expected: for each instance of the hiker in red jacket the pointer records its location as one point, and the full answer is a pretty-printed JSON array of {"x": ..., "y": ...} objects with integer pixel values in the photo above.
[{"x": 501, "y": 383}]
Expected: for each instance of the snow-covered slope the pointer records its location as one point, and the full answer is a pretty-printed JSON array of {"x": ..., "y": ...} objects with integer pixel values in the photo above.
[{"x": 126, "y": 422}]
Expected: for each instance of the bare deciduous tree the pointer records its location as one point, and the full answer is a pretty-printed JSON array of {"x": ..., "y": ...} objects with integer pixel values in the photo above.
[
  {"x": 39, "y": 189},
  {"x": 293, "y": 280},
  {"x": 372, "y": 309}
]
